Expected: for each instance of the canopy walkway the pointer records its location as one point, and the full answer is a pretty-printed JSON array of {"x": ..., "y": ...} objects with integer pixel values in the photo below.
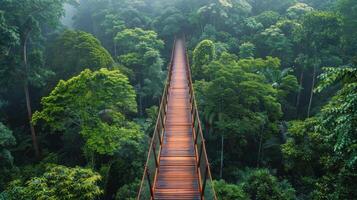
[{"x": 177, "y": 166}]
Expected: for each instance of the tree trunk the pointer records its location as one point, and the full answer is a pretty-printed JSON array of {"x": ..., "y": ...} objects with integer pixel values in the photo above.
[
  {"x": 260, "y": 146},
  {"x": 222, "y": 151},
  {"x": 312, "y": 91},
  {"x": 299, "y": 92},
  {"x": 140, "y": 102},
  {"x": 28, "y": 100}
]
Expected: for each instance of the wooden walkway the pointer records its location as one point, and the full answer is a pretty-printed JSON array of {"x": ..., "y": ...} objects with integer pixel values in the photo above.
[{"x": 177, "y": 176}]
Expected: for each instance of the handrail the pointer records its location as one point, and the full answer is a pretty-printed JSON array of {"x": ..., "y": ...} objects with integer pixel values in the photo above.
[
  {"x": 203, "y": 166},
  {"x": 157, "y": 135},
  {"x": 200, "y": 149}
]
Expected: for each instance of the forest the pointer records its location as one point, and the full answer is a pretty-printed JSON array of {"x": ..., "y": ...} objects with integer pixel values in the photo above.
[{"x": 81, "y": 84}]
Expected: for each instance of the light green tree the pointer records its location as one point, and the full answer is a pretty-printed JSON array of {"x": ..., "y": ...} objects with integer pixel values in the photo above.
[
  {"x": 298, "y": 10},
  {"x": 96, "y": 106},
  {"x": 203, "y": 54},
  {"x": 246, "y": 50},
  {"x": 57, "y": 183}
]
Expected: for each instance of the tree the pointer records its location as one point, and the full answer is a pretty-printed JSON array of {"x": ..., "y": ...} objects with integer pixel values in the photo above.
[
  {"x": 140, "y": 51},
  {"x": 321, "y": 149},
  {"x": 273, "y": 42},
  {"x": 338, "y": 126},
  {"x": 6, "y": 140},
  {"x": 246, "y": 50},
  {"x": 270, "y": 5},
  {"x": 260, "y": 184},
  {"x": 128, "y": 191},
  {"x": 203, "y": 54},
  {"x": 298, "y": 10},
  {"x": 229, "y": 191},
  {"x": 170, "y": 22},
  {"x": 57, "y": 183},
  {"x": 28, "y": 17},
  {"x": 349, "y": 24},
  {"x": 267, "y": 18},
  {"x": 74, "y": 51},
  {"x": 283, "y": 81},
  {"x": 320, "y": 36},
  {"x": 242, "y": 104},
  {"x": 96, "y": 105},
  {"x": 9, "y": 37}
]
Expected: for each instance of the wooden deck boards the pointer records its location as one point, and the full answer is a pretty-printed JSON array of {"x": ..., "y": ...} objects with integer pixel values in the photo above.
[{"x": 177, "y": 175}]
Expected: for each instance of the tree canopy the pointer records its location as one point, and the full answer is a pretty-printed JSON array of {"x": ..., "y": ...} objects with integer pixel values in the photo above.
[{"x": 81, "y": 83}]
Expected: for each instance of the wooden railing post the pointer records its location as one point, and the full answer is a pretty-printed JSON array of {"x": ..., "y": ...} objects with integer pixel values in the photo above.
[
  {"x": 159, "y": 135},
  {"x": 150, "y": 184},
  {"x": 204, "y": 181},
  {"x": 155, "y": 156},
  {"x": 200, "y": 155}
]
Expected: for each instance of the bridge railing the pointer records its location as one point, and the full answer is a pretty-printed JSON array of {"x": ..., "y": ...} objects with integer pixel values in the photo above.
[
  {"x": 203, "y": 166},
  {"x": 146, "y": 191}
]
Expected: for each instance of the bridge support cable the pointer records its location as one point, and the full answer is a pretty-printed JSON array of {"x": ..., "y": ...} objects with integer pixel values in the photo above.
[{"x": 177, "y": 165}]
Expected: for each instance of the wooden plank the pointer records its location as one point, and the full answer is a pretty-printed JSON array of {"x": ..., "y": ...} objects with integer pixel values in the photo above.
[{"x": 177, "y": 176}]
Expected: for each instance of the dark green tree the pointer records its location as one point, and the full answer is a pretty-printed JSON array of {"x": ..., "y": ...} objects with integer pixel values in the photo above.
[
  {"x": 28, "y": 17},
  {"x": 228, "y": 191},
  {"x": 241, "y": 104},
  {"x": 74, "y": 51},
  {"x": 140, "y": 52},
  {"x": 260, "y": 184}
]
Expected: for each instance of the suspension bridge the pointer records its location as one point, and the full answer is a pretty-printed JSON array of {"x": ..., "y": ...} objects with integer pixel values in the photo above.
[{"x": 177, "y": 166}]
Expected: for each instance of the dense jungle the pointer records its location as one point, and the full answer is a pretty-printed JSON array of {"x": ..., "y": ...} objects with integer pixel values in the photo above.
[{"x": 81, "y": 83}]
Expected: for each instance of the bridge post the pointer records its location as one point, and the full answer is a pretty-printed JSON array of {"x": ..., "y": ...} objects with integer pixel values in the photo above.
[
  {"x": 150, "y": 186},
  {"x": 204, "y": 182},
  {"x": 200, "y": 155},
  {"x": 159, "y": 135},
  {"x": 154, "y": 151}
]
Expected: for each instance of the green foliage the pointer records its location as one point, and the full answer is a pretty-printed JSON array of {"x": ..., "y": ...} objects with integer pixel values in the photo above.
[
  {"x": 227, "y": 191},
  {"x": 320, "y": 33},
  {"x": 347, "y": 9},
  {"x": 95, "y": 104},
  {"x": 140, "y": 51},
  {"x": 267, "y": 18},
  {"x": 57, "y": 183},
  {"x": 260, "y": 184},
  {"x": 338, "y": 117},
  {"x": 246, "y": 103},
  {"x": 246, "y": 50},
  {"x": 326, "y": 144},
  {"x": 6, "y": 140},
  {"x": 21, "y": 25},
  {"x": 271, "y": 5},
  {"x": 128, "y": 191},
  {"x": 203, "y": 54},
  {"x": 298, "y": 10},
  {"x": 170, "y": 22},
  {"x": 8, "y": 36},
  {"x": 74, "y": 51},
  {"x": 131, "y": 40},
  {"x": 238, "y": 103},
  {"x": 304, "y": 148}
]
